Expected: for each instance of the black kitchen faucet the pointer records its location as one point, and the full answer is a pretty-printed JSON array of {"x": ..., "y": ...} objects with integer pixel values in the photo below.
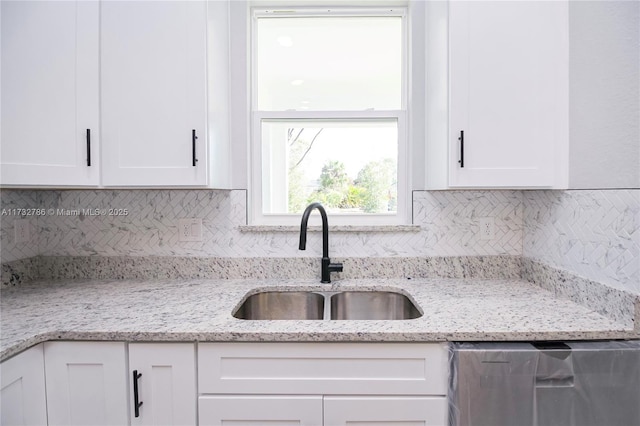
[{"x": 327, "y": 266}]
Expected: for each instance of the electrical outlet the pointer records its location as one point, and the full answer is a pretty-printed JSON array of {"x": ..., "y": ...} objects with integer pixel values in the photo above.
[
  {"x": 190, "y": 229},
  {"x": 487, "y": 226},
  {"x": 22, "y": 230}
]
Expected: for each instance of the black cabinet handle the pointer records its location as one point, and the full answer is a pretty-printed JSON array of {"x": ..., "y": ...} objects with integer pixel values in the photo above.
[
  {"x": 88, "y": 147},
  {"x": 136, "y": 400},
  {"x": 193, "y": 147},
  {"x": 461, "y": 139}
]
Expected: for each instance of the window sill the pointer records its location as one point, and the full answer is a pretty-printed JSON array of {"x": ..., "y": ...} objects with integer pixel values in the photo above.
[{"x": 332, "y": 229}]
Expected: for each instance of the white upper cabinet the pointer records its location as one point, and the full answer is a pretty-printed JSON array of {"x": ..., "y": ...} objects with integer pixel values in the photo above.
[
  {"x": 508, "y": 94},
  {"x": 50, "y": 93},
  {"x": 153, "y": 86}
]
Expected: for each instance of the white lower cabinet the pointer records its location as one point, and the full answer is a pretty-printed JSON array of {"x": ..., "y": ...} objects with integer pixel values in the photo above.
[
  {"x": 330, "y": 384},
  {"x": 162, "y": 379},
  {"x": 89, "y": 383},
  {"x": 86, "y": 383},
  {"x": 244, "y": 384},
  {"x": 22, "y": 395}
]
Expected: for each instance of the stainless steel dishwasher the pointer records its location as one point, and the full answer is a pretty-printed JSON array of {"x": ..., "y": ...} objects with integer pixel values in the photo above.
[{"x": 545, "y": 384}]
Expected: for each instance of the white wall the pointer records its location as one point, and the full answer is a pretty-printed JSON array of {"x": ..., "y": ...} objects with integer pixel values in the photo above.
[{"x": 604, "y": 94}]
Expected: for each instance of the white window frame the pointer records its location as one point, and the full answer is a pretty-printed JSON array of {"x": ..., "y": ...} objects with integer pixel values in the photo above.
[{"x": 402, "y": 216}]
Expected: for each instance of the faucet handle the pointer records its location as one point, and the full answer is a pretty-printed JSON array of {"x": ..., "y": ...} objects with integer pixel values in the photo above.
[
  {"x": 328, "y": 268},
  {"x": 335, "y": 267}
]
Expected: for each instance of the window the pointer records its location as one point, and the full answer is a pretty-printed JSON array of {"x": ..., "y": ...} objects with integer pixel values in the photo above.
[{"x": 329, "y": 111}]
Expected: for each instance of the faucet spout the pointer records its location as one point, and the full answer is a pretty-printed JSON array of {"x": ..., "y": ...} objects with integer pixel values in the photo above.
[{"x": 327, "y": 266}]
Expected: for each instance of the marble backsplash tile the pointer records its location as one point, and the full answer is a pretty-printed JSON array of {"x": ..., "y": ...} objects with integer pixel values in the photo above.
[
  {"x": 592, "y": 233},
  {"x": 450, "y": 222},
  {"x": 16, "y": 204},
  {"x": 148, "y": 226},
  {"x": 144, "y": 223}
]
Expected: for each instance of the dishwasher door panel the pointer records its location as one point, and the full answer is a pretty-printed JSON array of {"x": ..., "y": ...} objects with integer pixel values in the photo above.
[
  {"x": 493, "y": 387},
  {"x": 606, "y": 389},
  {"x": 558, "y": 384}
]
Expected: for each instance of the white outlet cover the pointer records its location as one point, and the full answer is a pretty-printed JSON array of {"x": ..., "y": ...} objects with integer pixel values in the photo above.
[
  {"x": 487, "y": 225},
  {"x": 190, "y": 229}
]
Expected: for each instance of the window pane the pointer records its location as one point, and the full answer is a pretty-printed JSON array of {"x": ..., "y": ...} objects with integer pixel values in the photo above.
[
  {"x": 348, "y": 166},
  {"x": 329, "y": 63}
]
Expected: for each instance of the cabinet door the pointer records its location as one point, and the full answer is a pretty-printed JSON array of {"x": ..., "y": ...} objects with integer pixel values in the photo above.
[
  {"x": 23, "y": 399},
  {"x": 153, "y": 63},
  {"x": 508, "y": 93},
  {"x": 390, "y": 411},
  {"x": 260, "y": 410},
  {"x": 166, "y": 385},
  {"x": 49, "y": 93},
  {"x": 86, "y": 383}
]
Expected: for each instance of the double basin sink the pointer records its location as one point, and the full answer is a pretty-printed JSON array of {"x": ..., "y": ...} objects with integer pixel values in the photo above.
[{"x": 319, "y": 305}]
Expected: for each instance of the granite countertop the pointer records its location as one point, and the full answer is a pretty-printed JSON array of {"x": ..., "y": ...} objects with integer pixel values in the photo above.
[{"x": 201, "y": 310}]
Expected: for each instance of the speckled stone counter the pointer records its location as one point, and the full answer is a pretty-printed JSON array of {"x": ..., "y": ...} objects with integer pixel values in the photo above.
[
  {"x": 175, "y": 267},
  {"x": 201, "y": 310}
]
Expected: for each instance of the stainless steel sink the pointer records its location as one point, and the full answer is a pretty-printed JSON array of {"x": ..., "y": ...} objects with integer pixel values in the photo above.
[
  {"x": 282, "y": 305},
  {"x": 372, "y": 305},
  {"x": 344, "y": 305}
]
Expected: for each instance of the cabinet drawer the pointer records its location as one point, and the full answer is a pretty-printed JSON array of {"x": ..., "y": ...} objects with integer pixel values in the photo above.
[
  {"x": 323, "y": 368},
  {"x": 386, "y": 410},
  {"x": 260, "y": 410}
]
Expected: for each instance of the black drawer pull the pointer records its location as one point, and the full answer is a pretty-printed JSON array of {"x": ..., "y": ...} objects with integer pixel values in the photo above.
[
  {"x": 88, "y": 147},
  {"x": 461, "y": 139},
  {"x": 136, "y": 400},
  {"x": 194, "y": 159}
]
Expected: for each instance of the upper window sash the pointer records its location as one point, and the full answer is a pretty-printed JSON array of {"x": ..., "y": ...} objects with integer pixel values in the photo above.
[
  {"x": 333, "y": 12},
  {"x": 335, "y": 115},
  {"x": 328, "y": 11}
]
